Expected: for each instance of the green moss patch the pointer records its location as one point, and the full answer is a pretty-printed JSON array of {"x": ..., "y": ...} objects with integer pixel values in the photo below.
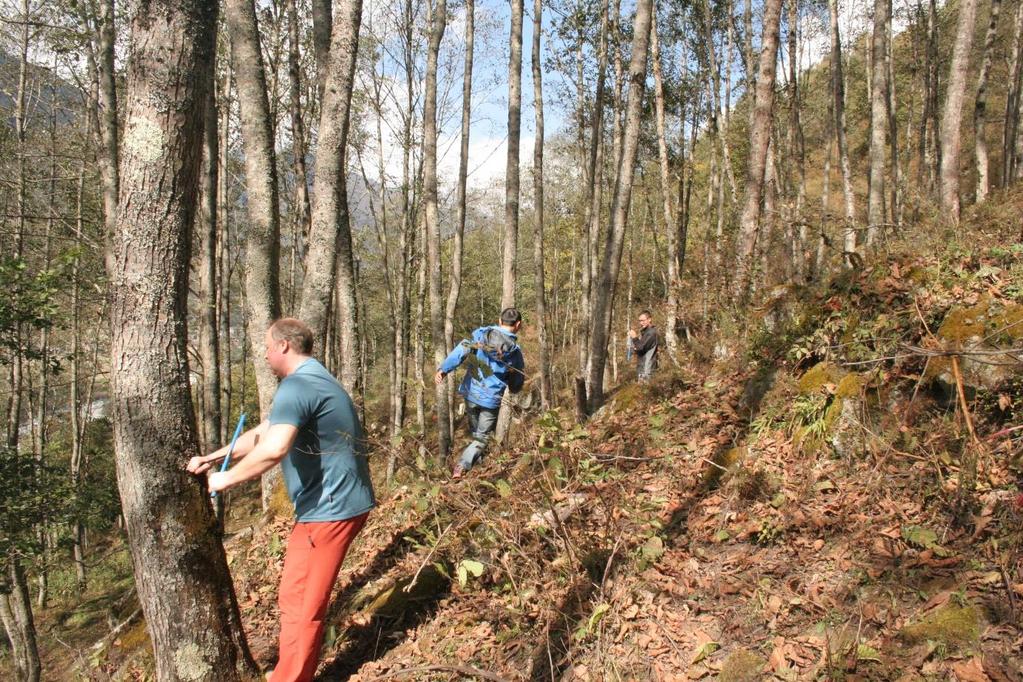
[
  {"x": 742, "y": 666},
  {"x": 818, "y": 376},
  {"x": 950, "y": 625}
]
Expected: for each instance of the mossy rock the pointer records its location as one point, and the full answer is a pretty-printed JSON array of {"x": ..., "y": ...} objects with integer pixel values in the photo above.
[
  {"x": 742, "y": 665},
  {"x": 393, "y": 601},
  {"x": 951, "y": 625},
  {"x": 989, "y": 324},
  {"x": 818, "y": 376}
]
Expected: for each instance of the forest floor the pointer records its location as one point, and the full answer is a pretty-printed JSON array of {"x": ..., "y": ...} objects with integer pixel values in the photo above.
[
  {"x": 798, "y": 505},
  {"x": 790, "y": 510}
]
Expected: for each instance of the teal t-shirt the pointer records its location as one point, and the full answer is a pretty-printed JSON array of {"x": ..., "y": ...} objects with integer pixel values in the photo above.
[{"x": 326, "y": 471}]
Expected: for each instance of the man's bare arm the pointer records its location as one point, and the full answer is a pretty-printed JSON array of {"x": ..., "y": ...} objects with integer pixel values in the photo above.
[
  {"x": 270, "y": 450},
  {"x": 246, "y": 442}
]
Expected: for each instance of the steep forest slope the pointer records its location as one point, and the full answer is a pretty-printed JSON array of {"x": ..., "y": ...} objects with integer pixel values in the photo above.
[{"x": 801, "y": 507}]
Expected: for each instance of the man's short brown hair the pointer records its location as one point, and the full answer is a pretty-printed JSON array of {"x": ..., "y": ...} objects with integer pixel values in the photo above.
[{"x": 295, "y": 332}]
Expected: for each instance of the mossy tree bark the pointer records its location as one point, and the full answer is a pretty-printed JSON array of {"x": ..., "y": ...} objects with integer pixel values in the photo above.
[{"x": 180, "y": 568}]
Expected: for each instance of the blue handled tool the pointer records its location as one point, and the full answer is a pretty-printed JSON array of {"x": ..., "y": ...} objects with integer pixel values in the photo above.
[{"x": 234, "y": 439}]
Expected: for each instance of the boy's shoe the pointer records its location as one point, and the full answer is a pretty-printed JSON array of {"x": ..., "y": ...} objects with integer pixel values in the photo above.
[{"x": 457, "y": 472}]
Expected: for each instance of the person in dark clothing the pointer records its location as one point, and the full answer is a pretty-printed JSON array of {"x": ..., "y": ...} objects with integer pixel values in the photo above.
[
  {"x": 496, "y": 365},
  {"x": 644, "y": 346}
]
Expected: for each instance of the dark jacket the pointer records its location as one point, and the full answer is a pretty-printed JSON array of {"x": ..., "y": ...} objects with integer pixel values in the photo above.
[
  {"x": 644, "y": 347},
  {"x": 499, "y": 365}
]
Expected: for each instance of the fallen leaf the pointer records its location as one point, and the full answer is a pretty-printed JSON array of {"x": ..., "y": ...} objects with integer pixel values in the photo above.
[{"x": 970, "y": 671}]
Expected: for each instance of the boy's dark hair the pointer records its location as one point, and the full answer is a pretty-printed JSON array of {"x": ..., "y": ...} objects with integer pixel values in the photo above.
[
  {"x": 648, "y": 314},
  {"x": 510, "y": 317}
]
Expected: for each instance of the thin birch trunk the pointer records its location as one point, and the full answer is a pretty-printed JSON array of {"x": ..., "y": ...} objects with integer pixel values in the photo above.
[
  {"x": 980, "y": 106},
  {"x": 952, "y": 116},
  {"x": 546, "y": 392}
]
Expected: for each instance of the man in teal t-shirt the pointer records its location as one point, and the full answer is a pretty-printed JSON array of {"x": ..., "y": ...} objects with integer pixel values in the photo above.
[{"x": 313, "y": 431}]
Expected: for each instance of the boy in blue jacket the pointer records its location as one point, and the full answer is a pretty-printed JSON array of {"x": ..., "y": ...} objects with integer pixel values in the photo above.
[{"x": 497, "y": 365}]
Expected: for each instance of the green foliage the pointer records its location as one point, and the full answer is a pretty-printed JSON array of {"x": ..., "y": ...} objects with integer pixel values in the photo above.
[
  {"x": 28, "y": 300},
  {"x": 32, "y": 492}
]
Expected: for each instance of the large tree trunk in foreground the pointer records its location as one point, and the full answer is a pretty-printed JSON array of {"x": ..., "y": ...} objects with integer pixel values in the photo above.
[
  {"x": 330, "y": 236},
  {"x": 438, "y": 21},
  {"x": 180, "y": 568},
  {"x": 603, "y": 299},
  {"x": 952, "y": 117},
  {"x": 760, "y": 138}
]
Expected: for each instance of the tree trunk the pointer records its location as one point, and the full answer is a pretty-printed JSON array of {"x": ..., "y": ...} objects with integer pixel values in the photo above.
[
  {"x": 878, "y": 120},
  {"x": 797, "y": 147},
  {"x": 980, "y": 106},
  {"x": 77, "y": 427},
  {"x": 262, "y": 252},
  {"x": 670, "y": 337},
  {"x": 1015, "y": 86},
  {"x": 190, "y": 608},
  {"x": 838, "y": 124},
  {"x": 760, "y": 138},
  {"x": 323, "y": 22},
  {"x": 437, "y": 23},
  {"x": 16, "y": 613},
  {"x": 298, "y": 152},
  {"x": 209, "y": 339},
  {"x": 330, "y": 237},
  {"x": 611, "y": 261},
  {"x": 546, "y": 392},
  {"x": 952, "y": 117},
  {"x": 591, "y": 207},
  {"x": 109, "y": 158},
  {"x": 511, "y": 181},
  {"x": 460, "y": 200}
]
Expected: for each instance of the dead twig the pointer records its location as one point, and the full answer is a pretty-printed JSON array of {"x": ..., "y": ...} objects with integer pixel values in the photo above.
[{"x": 465, "y": 670}]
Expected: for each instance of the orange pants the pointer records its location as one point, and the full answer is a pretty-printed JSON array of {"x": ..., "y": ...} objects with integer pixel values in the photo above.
[{"x": 311, "y": 564}]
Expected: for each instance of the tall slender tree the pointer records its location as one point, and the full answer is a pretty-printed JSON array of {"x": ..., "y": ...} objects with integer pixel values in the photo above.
[
  {"x": 546, "y": 390},
  {"x": 980, "y": 106},
  {"x": 878, "y": 119},
  {"x": 330, "y": 237},
  {"x": 511, "y": 179},
  {"x": 603, "y": 300},
  {"x": 263, "y": 241},
  {"x": 431, "y": 220},
  {"x": 760, "y": 137},
  {"x": 952, "y": 116}
]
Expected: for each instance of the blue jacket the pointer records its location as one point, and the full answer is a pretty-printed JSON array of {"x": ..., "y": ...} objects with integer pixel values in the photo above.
[{"x": 496, "y": 349}]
